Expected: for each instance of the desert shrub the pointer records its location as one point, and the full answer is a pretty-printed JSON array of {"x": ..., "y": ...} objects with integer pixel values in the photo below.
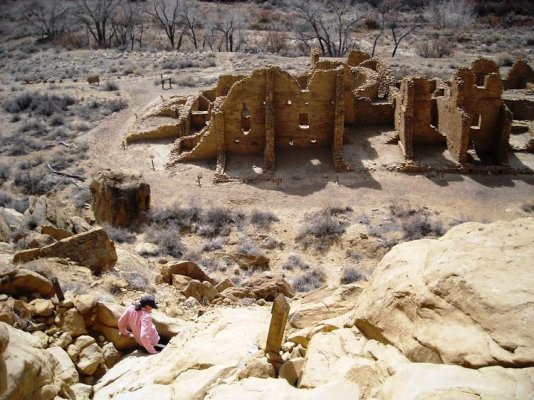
[
  {"x": 271, "y": 243},
  {"x": 56, "y": 120},
  {"x": 247, "y": 246},
  {"x": 219, "y": 221},
  {"x": 167, "y": 238},
  {"x": 41, "y": 104},
  {"x": 94, "y": 110},
  {"x": 5, "y": 172},
  {"x": 116, "y": 105},
  {"x": 8, "y": 201},
  {"x": 262, "y": 219},
  {"x": 137, "y": 280},
  {"x": 450, "y": 13},
  {"x": 294, "y": 261},
  {"x": 14, "y": 145},
  {"x": 435, "y": 48},
  {"x": 109, "y": 86},
  {"x": 214, "y": 244},
  {"x": 184, "y": 217},
  {"x": 77, "y": 287},
  {"x": 119, "y": 235},
  {"x": 350, "y": 275},
  {"x": 321, "y": 225},
  {"x": 38, "y": 181},
  {"x": 309, "y": 280}
]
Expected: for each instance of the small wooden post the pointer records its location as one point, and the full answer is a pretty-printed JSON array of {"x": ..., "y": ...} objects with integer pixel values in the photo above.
[
  {"x": 152, "y": 161},
  {"x": 279, "y": 312},
  {"x": 199, "y": 177},
  {"x": 57, "y": 288}
]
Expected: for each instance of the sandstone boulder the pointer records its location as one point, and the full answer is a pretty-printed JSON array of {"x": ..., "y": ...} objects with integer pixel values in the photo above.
[
  {"x": 466, "y": 298},
  {"x": 33, "y": 373},
  {"x": 90, "y": 358},
  {"x": 72, "y": 321},
  {"x": 260, "y": 389},
  {"x": 119, "y": 197},
  {"x": 185, "y": 268},
  {"x": 56, "y": 233},
  {"x": 251, "y": 261},
  {"x": 323, "y": 304},
  {"x": 346, "y": 354},
  {"x": 12, "y": 218},
  {"x": 21, "y": 281},
  {"x": 92, "y": 249},
  {"x": 202, "y": 291},
  {"x": 42, "y": 307},
  {"x": 419, "y": 381},
  {"x": 204, "y": 353},
  {"x": 267, "y": 288}
]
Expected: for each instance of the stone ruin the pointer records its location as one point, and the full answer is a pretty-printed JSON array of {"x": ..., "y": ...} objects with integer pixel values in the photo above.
[{"x": 270, "y": 109}]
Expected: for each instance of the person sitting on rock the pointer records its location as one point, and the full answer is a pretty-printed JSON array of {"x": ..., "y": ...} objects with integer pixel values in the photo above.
[{"x": 136, "y": 322}]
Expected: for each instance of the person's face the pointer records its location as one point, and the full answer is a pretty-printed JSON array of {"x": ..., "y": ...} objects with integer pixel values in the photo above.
[{"x": 148, "y": 308}]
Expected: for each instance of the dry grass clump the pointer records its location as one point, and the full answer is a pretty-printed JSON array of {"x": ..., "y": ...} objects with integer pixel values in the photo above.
[
  {"x": 352, "y": 274},
  {"x": 311, "y": 279},
  {"x": 119, "y": 235},
  {"x": 321, "y": 229},
  {"x": 37, "y": 103},
  {"x": 167, "y": 238},
  {"x": 262, "y": 219},
  {"x": 294, "y": 261}
]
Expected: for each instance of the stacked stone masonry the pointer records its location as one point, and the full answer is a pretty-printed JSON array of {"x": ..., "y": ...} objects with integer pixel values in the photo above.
[{"x": 270, "y": 109}]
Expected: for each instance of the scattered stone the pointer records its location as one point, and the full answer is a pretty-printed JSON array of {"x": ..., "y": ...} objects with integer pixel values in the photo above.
[
  {"x": 90, "y": 359},
  {"x": 201, "y": 291},
  {"x": 267, "y": 288},
  {"x": 42, "y": 307},
  {"x": 185, "y": 268}
]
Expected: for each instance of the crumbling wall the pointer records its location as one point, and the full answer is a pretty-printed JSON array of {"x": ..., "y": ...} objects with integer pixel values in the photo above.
[
  {"x": 244, "y": 115},
  {"x": 470, "y": 113},
  {"x": 356, "y": 57},
  {"x": 519, "y": 76},
  {"x": 416, "y": 114}
]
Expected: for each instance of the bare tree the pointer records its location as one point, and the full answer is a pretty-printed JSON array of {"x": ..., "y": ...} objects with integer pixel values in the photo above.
[
  {"x": 128, "y": 25},
  {"x": 329, "y": 22},
  {"x": 49, "y": 20},
  {"x": 189, "y": 19},
  {"x": 450, "y": 13},
  {"x": 97, "y": 15},
  {"x": 399, "y": 35},
  {"x": 223, "y": 33},
  {"x": 166, "y": 16}
]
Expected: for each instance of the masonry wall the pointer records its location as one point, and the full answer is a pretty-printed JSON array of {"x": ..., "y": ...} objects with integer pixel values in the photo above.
[{"x": 244, "y": 116}]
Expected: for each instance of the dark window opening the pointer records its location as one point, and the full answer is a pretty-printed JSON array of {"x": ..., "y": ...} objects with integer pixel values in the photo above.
[
  {"x": 476, "y": 121},
  {"x": 480, "y": 80},
  {"x": 303, "y": 121},
  {"x": 245, "y": 120}
]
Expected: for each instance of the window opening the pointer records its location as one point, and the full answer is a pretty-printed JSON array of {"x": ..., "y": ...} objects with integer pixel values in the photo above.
[
  {"x": 303, "y": 121},
  {"x": 245, "y": 120}
]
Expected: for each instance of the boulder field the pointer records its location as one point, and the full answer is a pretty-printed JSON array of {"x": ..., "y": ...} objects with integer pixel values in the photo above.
[{"x": 449, "y": 318}]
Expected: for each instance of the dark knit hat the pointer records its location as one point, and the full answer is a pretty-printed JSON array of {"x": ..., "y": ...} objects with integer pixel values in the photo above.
[{"x": 148, "y": 300}]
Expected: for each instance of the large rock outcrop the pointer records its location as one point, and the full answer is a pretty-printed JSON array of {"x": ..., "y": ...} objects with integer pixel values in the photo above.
[
  {"x": 34, "y": 373},
  {"x": 93, "y": 249},
  {"x": 119, "y": 197},
  {"x": 466, "y": 298},
  {"x": 197, "y": 358}
]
